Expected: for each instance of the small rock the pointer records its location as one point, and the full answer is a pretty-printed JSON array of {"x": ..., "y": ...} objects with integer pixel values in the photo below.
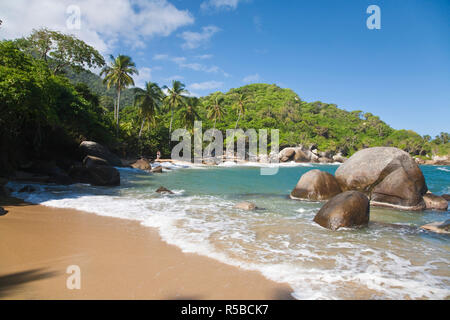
[
  {"x": 157, "y": 170},
  {"x": 348, "y": 209},
  {"x": 438, "y": 227},
  {"x": 248, "y": 206},
  {"x": 142, "y": 164},
  {"x": 28, "y": 189},
  {"x": 435, "y": 202},
  {"x": 164, "y": 190},
  {"x": 3, "y": 211}
]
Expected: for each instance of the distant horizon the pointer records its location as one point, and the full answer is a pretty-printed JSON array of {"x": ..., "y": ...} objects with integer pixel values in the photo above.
[{"x": 323, "y": 51}]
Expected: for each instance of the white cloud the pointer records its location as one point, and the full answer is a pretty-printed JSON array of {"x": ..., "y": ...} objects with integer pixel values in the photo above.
[
  {"x": 251, "y": 78},
  {"x": 207, "y": 85},
  {"x": 145, "y": 75},
  {"x": 160, "y": 57},
  {"x": 104, "y": 23},
  {"x": 219, "y": 4},
  {"x": 205, "y": 56},
  {"x": 194, "y": 40},
  {"x": 174, "y": 77}
]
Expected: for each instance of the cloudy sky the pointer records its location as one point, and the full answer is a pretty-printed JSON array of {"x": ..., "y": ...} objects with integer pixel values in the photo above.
[{"x": 321, "y": 49}]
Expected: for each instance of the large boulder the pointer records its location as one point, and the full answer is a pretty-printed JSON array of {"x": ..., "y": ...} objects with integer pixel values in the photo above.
[
  {"x": 347, "y": 209},
  {"x": 91, "y": 161},
  {"x": 438, "y": 227},
  {"x": 142, "y": 164},
  {"x": 91, "y": 148},
  {"x": 388, "y": 176},
  {"x": 96, "y": 175},
  {"x": 434, "y": 202},
  {"x": 446, "y": 197},
  {"x": 316, "y": 185},
  {"x": 287, "y": 154}
]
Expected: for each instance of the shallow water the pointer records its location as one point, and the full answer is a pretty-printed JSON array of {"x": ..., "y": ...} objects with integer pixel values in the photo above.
[{"x": 391, "y": 259}]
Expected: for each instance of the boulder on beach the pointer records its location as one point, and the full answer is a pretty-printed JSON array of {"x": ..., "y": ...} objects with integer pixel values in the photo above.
[
  {"x": 297, "y": 154},
  {"x": 91, "y": 161},
  {"x": 96, "y": 175},
  {"x": 287, "y": 154},
  {"x": 388, "y": 176},
  {"x": 434, "y": 202},
  {"x": 3, "y": 211},
  {"x": 339, "y": 158},
  {"x": 157, "y": 169},
  {"x": 316, "y": 185},
  {"x": 347, "y": 209},
  {"x": 248, "y": 206},
  {"x": 91, "y": 148},
  {"x": 164, "y": 190},
  {"x": 438, "y": 227},
  {"x": 142, "y": 164}
]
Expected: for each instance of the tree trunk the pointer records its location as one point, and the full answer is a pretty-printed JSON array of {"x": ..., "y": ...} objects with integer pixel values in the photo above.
[
  {"x": 142, "y": 127},
  {"x": 239, "y": 117},
  {"x": 215, "y": 124},
  {"x": 118, "y": 109},
  {"x": 170, "y": 126}
]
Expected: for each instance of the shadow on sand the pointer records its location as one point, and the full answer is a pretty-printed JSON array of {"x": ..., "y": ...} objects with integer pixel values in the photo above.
[{"x": 13, "y": 281}]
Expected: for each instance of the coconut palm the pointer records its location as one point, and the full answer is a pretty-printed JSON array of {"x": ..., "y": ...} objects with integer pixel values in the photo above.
[
  {"x": 240, "y": 105},
  {"x": 175, "y": 98},
  {"x": 148, "y": 101},
  {"x": 119, "y": 74},
  {"x": 189, "y": 115},
  {"x": 216, "y": 110}
]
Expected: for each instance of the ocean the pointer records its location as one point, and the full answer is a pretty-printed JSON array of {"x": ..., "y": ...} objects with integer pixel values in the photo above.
[{"x": 390, "y": 259}]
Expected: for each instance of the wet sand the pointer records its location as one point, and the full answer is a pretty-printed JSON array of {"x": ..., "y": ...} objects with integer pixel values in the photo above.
[{"x": 118, "y": 259}]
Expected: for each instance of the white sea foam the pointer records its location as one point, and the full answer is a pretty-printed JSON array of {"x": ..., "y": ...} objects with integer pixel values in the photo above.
[{"x": 443, "y": 169}]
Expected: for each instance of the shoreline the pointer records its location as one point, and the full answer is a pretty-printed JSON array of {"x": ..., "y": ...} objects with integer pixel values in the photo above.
[{"x": 118, "y": 258}]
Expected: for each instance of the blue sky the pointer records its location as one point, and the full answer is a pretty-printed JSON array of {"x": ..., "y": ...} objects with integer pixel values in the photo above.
[{"x": 321, "y": 49}]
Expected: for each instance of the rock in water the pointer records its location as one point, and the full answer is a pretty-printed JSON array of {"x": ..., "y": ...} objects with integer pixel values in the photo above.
[
  {"x": 3, "y": 211},
  {"x": 91, "y": 161},
  {"x": 248, "y": 206},
  {"x": 158, "y": 169},
  {"x": 164, "y": 190},
  {"x": 438, "y": 227},
  {"x": 142, "y": 164},
  {"x": 96, "y": 175},
  {"x": 348, "y": 209},
  {"x": 388, "y": 176},
  {"x": 435, "y": 202},
  {"x": 91, "y": 148},
  {"x": 316, "y": 185}
]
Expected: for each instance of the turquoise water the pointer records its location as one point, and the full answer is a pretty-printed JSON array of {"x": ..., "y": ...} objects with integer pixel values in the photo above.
[{"x": 391, "y": 259}]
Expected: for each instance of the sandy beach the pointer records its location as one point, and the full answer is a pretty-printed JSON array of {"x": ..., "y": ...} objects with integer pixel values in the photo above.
[{"x": 118, "y": 258}]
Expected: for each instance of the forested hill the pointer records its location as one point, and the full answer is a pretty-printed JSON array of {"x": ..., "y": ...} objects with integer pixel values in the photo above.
[
  {"x": 96, "y": 85},
  {"x": 269, "y": 106},
  {"x": 323, "y": 124}
]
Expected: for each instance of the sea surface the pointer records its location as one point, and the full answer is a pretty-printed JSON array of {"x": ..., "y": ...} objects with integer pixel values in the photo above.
[{"x": 390, "y": 259}]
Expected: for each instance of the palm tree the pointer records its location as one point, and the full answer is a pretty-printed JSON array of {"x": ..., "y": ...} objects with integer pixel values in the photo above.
[
  {"x": 216, "y": 110},
  {"x": 175, "y": 98},
  {"x": 148, "y": 101},
  {"x": 118, "y": 74},
  {"x": 189, "y": 115},
  {"x": 240, "y": 104}
]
